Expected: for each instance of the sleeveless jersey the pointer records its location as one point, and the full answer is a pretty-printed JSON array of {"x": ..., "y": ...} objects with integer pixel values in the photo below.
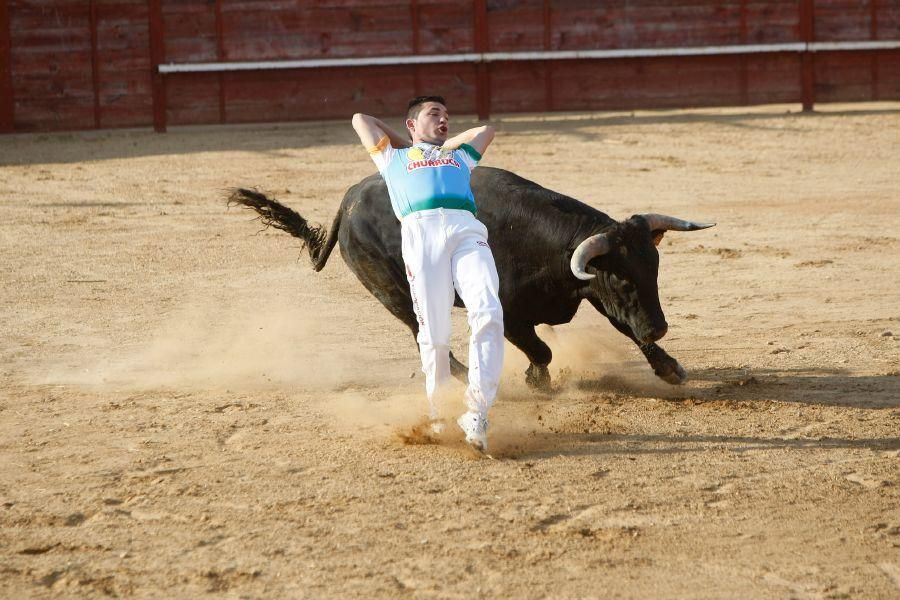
[{"x": 426, "y": 176}]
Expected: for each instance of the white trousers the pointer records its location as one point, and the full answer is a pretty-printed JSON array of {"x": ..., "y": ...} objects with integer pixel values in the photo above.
[{"x": 446, "y": 250}]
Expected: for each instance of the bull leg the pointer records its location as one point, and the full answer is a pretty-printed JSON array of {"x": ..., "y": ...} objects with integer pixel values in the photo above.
[
  {"x": 664, "y": 366},
  {"x": 459, "y": 370},
  {"x": 523, "y": 337}
]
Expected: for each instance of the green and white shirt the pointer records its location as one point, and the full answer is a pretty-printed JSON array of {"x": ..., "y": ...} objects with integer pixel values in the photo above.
[{"x": 426, "y": 176}]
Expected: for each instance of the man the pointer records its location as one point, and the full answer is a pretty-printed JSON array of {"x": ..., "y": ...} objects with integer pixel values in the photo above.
[{"x": 444, "y": 247}]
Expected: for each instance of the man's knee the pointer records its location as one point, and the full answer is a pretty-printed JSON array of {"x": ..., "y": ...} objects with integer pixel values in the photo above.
[
  {"x": 435, "y": 349},
  {"x": 434, "y": 336},
  {"x": 486, "y": 321}
]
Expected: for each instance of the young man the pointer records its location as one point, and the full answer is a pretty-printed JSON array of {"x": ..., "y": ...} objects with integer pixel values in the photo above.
[{"x": 444, "y": 247}]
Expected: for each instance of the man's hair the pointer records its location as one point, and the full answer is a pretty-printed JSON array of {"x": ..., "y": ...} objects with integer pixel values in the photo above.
[{"x": 415, "y": 105}]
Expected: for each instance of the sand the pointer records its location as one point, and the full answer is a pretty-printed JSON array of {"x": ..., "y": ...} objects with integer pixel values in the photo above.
[{"x": 186, "y": 407}]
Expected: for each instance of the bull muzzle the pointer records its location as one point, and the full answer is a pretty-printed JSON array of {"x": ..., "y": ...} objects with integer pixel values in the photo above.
[{"x": 656, "y": 334}]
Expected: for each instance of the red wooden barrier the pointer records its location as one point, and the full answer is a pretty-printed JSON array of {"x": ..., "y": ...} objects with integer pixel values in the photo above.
[{"x": 72, "y": 64}]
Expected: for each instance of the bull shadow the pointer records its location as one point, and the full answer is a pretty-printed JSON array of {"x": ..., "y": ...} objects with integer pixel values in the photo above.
[
  {"x": 823, "y": 387},
  {"x": 723, "y": 389},
  {"x": 538, "y": 445}
]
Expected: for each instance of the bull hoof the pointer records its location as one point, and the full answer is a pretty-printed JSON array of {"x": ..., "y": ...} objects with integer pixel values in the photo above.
[
  {"x": 676, "y": 375},
  {"x": 538, "y": 377}
]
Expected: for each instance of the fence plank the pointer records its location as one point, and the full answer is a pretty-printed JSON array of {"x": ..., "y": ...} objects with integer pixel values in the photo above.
[
  {"x": 156, "y": 32},
  {"x": 7, "y": 102}
]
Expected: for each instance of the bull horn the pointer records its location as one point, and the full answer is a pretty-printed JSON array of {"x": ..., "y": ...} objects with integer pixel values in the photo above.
[
  {"x": 667, "y": 223},
  {"x": 592, "y": 247}
]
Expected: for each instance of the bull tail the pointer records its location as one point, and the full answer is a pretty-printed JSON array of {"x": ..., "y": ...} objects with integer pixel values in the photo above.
[
  {"x": 328, "y": 245},
  {"x": 274, "y": 214}
]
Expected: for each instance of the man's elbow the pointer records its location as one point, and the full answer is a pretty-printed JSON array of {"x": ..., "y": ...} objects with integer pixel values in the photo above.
[
  {"x": 363, "y": 120},
  {"x": 483, "y": 137}
]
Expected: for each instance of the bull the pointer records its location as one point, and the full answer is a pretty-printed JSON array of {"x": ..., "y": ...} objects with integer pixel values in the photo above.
[{"x": 552, "y": 253}]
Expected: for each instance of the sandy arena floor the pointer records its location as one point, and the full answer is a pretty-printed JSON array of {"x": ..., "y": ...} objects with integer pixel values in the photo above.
[{"x": 186, "y": 407}]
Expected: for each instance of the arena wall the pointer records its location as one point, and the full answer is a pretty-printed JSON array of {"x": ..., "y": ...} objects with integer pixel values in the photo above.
[{"x": 82, "y": 64}]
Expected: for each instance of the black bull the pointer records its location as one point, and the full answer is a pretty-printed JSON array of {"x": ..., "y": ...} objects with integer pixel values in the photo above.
[{"x": 548, "y": 249}]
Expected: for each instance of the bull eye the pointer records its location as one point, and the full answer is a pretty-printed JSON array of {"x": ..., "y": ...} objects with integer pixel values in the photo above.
[{"x": 628, "y": 287}]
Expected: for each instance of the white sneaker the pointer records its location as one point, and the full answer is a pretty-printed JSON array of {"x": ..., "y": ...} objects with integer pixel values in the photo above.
[
  {"x": 474, "y": 425},
  {"x": 437, "y": 427}
]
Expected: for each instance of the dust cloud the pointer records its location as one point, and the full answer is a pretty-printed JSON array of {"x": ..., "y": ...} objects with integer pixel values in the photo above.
[
  {"x": 201, "y": 347},
  {"x": 205, "y": 345}
]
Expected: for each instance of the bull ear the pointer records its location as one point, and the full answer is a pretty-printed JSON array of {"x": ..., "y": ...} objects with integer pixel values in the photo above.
[{"x": 658, "y": 236}]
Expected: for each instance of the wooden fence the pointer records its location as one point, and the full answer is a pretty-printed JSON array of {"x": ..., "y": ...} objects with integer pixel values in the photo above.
[{"x": 78, "y": 64}]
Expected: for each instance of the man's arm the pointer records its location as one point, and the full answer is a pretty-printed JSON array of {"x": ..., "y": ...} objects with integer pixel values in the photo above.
[
  {"x": 478, "y": 137},
  {"x": 370, "y": 131}
]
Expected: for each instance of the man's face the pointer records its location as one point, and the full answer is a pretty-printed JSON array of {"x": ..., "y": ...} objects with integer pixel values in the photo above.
[{"x": 431, "y": 125}]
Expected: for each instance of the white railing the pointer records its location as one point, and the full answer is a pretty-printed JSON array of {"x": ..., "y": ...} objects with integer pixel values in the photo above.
[{"x": 473, "y": 57}]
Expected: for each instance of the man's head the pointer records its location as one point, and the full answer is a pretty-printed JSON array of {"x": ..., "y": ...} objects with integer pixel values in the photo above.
[{"x": 427, "y": 120}]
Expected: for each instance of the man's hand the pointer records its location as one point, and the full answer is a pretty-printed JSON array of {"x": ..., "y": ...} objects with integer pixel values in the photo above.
[
  {"x": 478, "y": 137},
  {"x": 370, "y": 131}
]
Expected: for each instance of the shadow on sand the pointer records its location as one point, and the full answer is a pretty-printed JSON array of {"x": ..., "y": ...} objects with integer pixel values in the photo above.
[
  {"x": 824, "y": 387},
  {"x": 579, "y": 124},
  {"x": 277, "y": 139},
  {"x": 543, "y": 445}
]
